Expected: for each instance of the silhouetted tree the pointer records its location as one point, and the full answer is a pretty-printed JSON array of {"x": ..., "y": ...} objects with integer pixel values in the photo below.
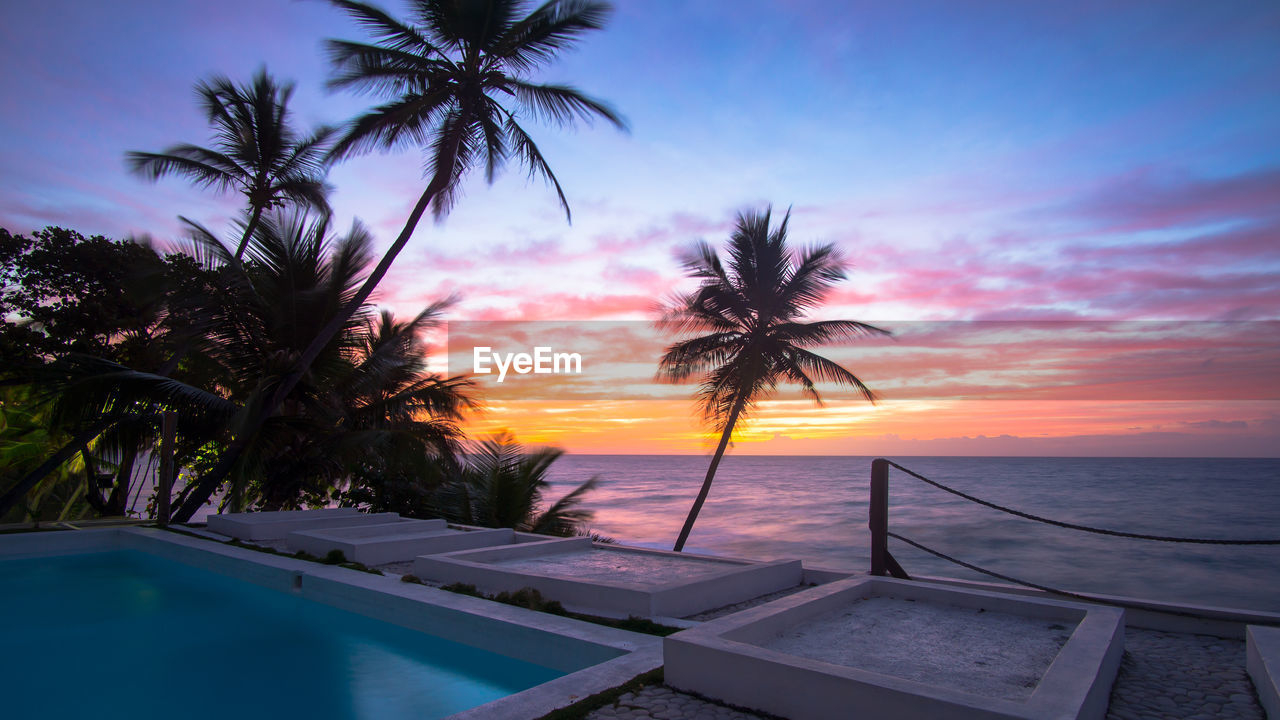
[
  {"x": 256, "y": 151},
  {"x": 456, "y": 81},
  {"x": 749, "y": 312}
]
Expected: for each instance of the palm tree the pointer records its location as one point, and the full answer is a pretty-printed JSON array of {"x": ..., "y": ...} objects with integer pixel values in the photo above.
[
  {"x": 381, "y": 413},
  {"x": 256, "y": 151},
  {"x": 368, "y": 406},
  {"x": 455, "y": 79},
  {"x": 501, "y": 485},
  {"x": 750, "y": 313},
  {"x": 369, "y": 401}
]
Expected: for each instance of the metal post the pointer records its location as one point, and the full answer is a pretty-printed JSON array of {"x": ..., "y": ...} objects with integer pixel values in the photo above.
[
  {"x": 879, "y": 516},
  {"x": 168, "y": 429}
]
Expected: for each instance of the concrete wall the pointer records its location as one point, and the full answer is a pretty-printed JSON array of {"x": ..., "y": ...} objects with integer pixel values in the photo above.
[
  {"x": 1262, "y": 659},
  {"x": 1143, "y": 613}
]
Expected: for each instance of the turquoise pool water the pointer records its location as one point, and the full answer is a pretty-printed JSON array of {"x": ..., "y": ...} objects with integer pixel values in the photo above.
[{"x": 130, "y": 635}]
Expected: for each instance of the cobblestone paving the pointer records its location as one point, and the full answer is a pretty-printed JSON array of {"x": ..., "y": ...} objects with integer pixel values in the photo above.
[
  {"x": 1164, "y": 676},
  {"x": 656, "y": 702},
  {"x": 1167, "y": 675}
]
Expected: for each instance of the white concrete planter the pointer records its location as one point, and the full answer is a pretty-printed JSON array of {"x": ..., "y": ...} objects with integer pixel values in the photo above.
[
  {"x": 613, "y": 580},
  {"x": 734, "y": 659},
  {"x": 276, "y": 525},
  {"x": 396, "y": 542}
]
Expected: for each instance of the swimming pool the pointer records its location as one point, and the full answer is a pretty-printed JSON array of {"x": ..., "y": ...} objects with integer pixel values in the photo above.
[{"x": 120, "y": 632}]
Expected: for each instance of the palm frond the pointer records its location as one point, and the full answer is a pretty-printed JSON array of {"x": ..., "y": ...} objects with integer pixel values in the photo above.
[
  {"x": 566, "y": 517},
  {"x": 562, "y": 104},
  {"x": 201, "y": 166},
  {"x": 531, "y": 156},
  {"x": 385, "y": 28},
  {"x": 408, "y": 120},
  {"x": 551, "y": 29}
]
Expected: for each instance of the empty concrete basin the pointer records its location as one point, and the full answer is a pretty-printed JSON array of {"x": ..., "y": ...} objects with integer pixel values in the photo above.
[
  {"x": 1262, "y": 659},
  {"x": 276, "y": 525},
  {"x": 611, "y": 579},
  {"x": 396, "y": 542},
  {"x": 899, "y": 649}
]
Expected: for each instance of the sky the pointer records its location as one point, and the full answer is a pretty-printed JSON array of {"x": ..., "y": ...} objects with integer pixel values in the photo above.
[{"x": 989, "y": 169}]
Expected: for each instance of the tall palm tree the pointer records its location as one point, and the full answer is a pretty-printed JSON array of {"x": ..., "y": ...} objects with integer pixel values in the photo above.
[
  {"x": 749, "y": 311},
  {"x": 256, "y": 150},
  {"x": 455, "y": 78}
]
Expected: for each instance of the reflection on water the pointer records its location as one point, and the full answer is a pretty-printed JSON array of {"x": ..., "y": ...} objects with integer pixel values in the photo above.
[{"x": 815, "y": 509}]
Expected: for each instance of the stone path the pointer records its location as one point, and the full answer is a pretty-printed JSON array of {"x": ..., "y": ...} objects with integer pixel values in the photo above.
[
  {"x": 657, "y": 702},
  {"x": 1167, "y": 675},
  {"x": 1164, "y": 676}
]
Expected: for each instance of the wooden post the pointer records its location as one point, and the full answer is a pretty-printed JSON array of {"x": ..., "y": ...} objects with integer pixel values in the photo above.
[
  {"x": 168, "y": 430},
  {"x": 879, "y": 516}
]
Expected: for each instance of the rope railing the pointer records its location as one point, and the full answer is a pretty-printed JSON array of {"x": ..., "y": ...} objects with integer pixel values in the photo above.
[
  {"x": 1082, "y": 528},
  {"x": 883, "y": 563}
]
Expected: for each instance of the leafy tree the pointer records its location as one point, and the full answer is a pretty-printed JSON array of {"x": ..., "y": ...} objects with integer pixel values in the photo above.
[
  {"x": 369, "y": 404},
  {"x": 65, "y": 296},
  {"x": 62, "y": 293},
  {"x": 455, "y": 79},
  {"x": 256, "y": 151},
  {"x": 749, "y": 312}
]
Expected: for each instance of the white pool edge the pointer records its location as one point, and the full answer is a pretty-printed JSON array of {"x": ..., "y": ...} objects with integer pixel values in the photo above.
[{"x": 612, "y": 656}]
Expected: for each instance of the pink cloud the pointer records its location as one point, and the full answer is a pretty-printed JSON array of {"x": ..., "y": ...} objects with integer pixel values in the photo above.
[{"x": 1153, "y": 199}]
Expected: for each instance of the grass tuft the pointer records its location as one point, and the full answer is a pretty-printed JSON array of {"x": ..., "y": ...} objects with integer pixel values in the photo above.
[{"x": 529, "y": 598}]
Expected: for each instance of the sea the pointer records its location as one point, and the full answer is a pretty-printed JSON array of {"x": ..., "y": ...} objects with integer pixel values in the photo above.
[{"x": 815, "y": 509}]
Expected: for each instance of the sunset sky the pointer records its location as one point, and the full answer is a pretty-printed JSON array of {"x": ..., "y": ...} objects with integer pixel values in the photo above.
[{"x": 1063, "y": 165}]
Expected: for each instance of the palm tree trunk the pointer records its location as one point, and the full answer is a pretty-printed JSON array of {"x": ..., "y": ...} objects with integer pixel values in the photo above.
[
  {"x": 209, "y": 483},
  {"x": 124, "y": 477},
  {"x": 248, "y": 231},
  {"x": 66, "y": 452},
  {"x": 92, "y": 493},
  {"x": 711, "y": 474}
]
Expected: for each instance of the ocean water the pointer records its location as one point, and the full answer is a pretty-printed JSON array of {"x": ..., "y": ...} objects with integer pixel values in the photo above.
[
  {"x": 815, "y": 509},
  {"x": 129, "y": 635}
]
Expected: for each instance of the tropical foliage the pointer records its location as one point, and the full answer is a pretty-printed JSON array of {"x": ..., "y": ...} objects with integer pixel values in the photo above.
[
  {"x": 66, "y": 297},
  {"x": 455, "y": 78},
  {"x": 496, "y": 482},
  {"x": 289, "y": 387},
  {"x": 369, "y": 406},
  {"x": 369, "y": 403},
  {"x": 746, "y": 318},
  {"x": 256, "y": 150}
]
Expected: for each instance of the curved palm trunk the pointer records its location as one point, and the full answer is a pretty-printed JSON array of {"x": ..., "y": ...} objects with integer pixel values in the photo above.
[
  {"x": 254, "y": 217},
  {"x": 209, "y": 483},
  {"x": 65, "y": 453},
  {"x": 124, "y": 477},
  {"x": 711, "y": 474}
]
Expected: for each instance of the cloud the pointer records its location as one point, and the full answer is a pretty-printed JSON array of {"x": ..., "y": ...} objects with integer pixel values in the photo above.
[
  {"x": 1218, "y": 424},
  {"x": 1152, "y": 198}
]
